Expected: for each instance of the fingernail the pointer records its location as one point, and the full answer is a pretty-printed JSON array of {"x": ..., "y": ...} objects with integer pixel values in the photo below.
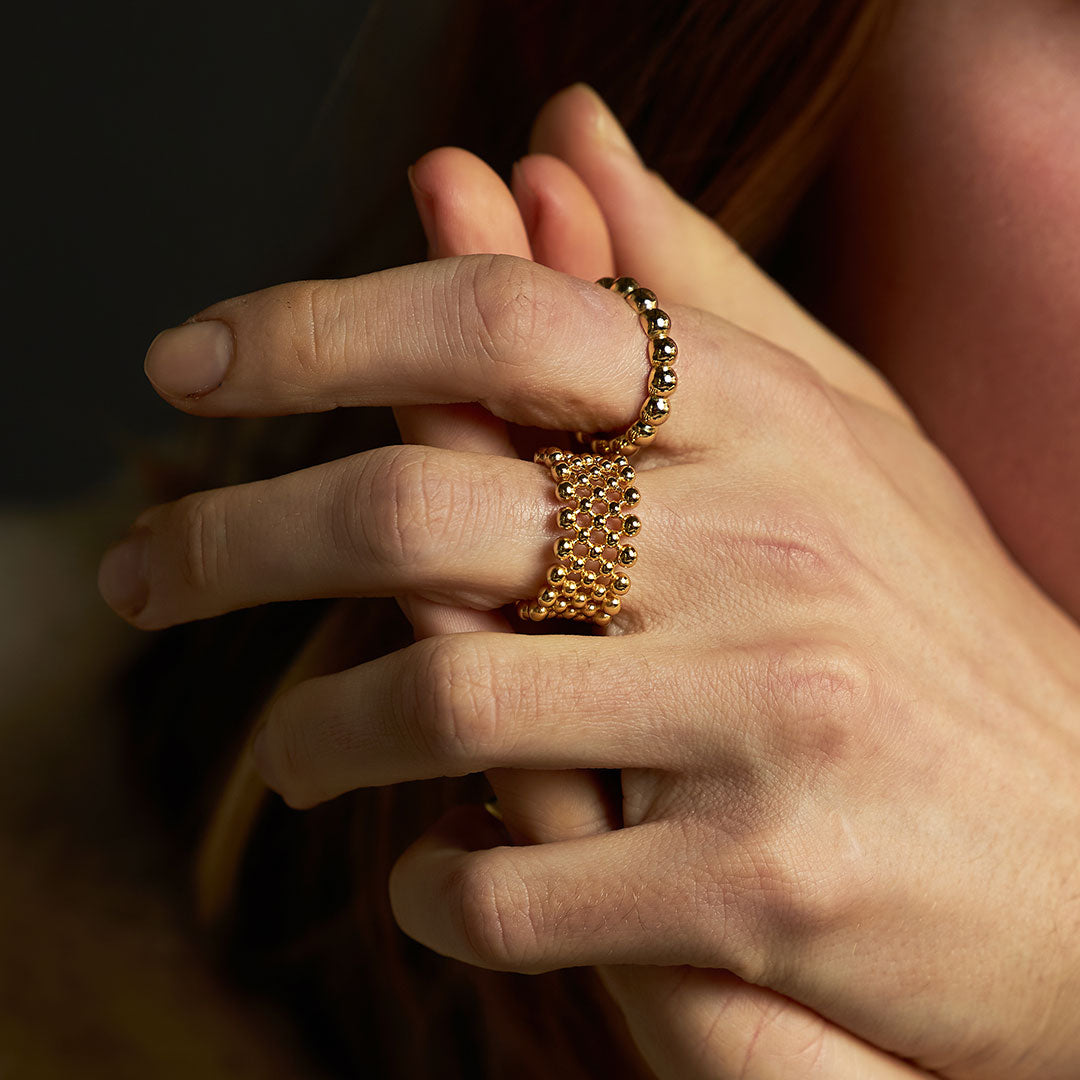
[
  {"x": 607, "y": 129},
  {"x": 425, "y": 208},
  {"x": 190, "y": 360},
  {"x": 122, "y": 574}
]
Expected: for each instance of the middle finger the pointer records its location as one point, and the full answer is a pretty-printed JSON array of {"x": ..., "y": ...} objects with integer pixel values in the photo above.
[{"x": 458, "y": 528}]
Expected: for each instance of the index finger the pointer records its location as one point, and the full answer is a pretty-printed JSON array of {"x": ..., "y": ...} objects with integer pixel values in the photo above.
[{"x": 530, "y": 344}]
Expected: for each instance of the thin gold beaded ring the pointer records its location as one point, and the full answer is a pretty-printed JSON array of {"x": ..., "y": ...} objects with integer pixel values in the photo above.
[
  {"x": 590, "y": 578},
  {"x": 662, "y": 353}
]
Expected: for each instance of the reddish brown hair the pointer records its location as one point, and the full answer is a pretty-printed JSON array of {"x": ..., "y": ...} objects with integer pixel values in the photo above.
[{"x": 734, "y": 103}]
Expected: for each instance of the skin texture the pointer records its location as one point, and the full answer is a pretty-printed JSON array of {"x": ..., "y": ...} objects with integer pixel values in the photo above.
[{"x": 830, "y": 667}]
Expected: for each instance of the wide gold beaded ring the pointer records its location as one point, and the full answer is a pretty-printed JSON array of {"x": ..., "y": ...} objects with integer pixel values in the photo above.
[{"x": 589, "y": 579}]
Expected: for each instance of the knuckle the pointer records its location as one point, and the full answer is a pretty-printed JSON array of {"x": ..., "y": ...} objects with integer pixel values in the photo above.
[
  {"x": 319, "y": 322},
  {"x": 457, "y": 719},
  {"x": 203, "y": 529},
  {"x": 791, "y": 546},
  {"x": 496, "y": 915},
  {"x": 795, "y": 897},
  {"x": 805, "y": 402},
  {"x": 818, "y": 697},
  {"x": 507, "y": 309},
  {"x": 397, "y": 508}
]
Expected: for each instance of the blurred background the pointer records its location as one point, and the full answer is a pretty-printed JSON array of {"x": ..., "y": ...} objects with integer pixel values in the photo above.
[
  {"x": 162, "y": 158},
  {"x": 159, "y": 158}
]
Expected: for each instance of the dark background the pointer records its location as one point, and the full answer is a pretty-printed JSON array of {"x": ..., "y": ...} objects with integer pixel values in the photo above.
[{"x": 162, "y": 159}]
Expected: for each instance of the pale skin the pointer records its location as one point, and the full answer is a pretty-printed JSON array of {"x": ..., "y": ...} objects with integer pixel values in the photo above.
[{"x": 848, "y": 724}]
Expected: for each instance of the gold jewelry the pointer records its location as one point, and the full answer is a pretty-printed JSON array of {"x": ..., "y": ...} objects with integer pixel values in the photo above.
[
  {"x": 662, "y": 352},
  {"x": 590, "y": 578}
]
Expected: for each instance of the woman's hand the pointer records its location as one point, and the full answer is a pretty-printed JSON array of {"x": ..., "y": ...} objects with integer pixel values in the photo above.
[
  {"x": 846, "y": 722},
  {"x": 687, "y": 1022}
]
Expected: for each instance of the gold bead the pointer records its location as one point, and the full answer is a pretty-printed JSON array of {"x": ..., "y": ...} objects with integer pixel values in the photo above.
[
  {"x": 561, "y": 470},
  {"x": 624, "y": 285},
  {"x": 596, "y": 551},
  {"x": 588, "y": 577},
  {"x": 522, "y": 609},
  {"x": 599, "y": 592},
  {"x": 631, "y": 524},
  {"x": 580, "y": 599},
  {"x": 565, "y": 490},
  {"x": 612, "y": 605},
  {"x": 655, "y": 410},
  {"x": 642, "y": 433},
  {"x": 620, "y": 462},
  {"x": 627, "y": 555},
  {"x": 663, "y": 380},
  {"x": 553, "y": 456},
  {"x": 568, "y": 518},
  {"x": 627, "y": 473},
  {"x": 601, "y": 618},
  {"x": 576, "y": 563},
  {"x": 591, "y": 608},
  {"x": 611, "y": 539},
  {"x": 620, "y": 584},
  {"x": 557, "y": 574},
  {"x": 663, "y": 350},
  {"x": 613, "y": 507},
  {"x": 584, "y": 536},
  {"x": 560, "y": 605},
  {"x": 605, "y": 282},
  {"x": 655, "y": 322},
  {"x": 599, "y": 521},
  {"x": 546, "y": 598},
  {"x": 642, "y": 299},
  {"x": 607, "y": 567},
  {"x": 564, "y": 547},
  {"x": 631, "y": 496}
]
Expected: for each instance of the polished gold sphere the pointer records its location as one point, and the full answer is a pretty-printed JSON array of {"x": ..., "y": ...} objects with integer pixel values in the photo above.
[
  {"x": 663, "y": 350},
  {"x": 655, "y": 322},
  {"x": 663, "y": 381},
  {"x": 642, "y": 299}
]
